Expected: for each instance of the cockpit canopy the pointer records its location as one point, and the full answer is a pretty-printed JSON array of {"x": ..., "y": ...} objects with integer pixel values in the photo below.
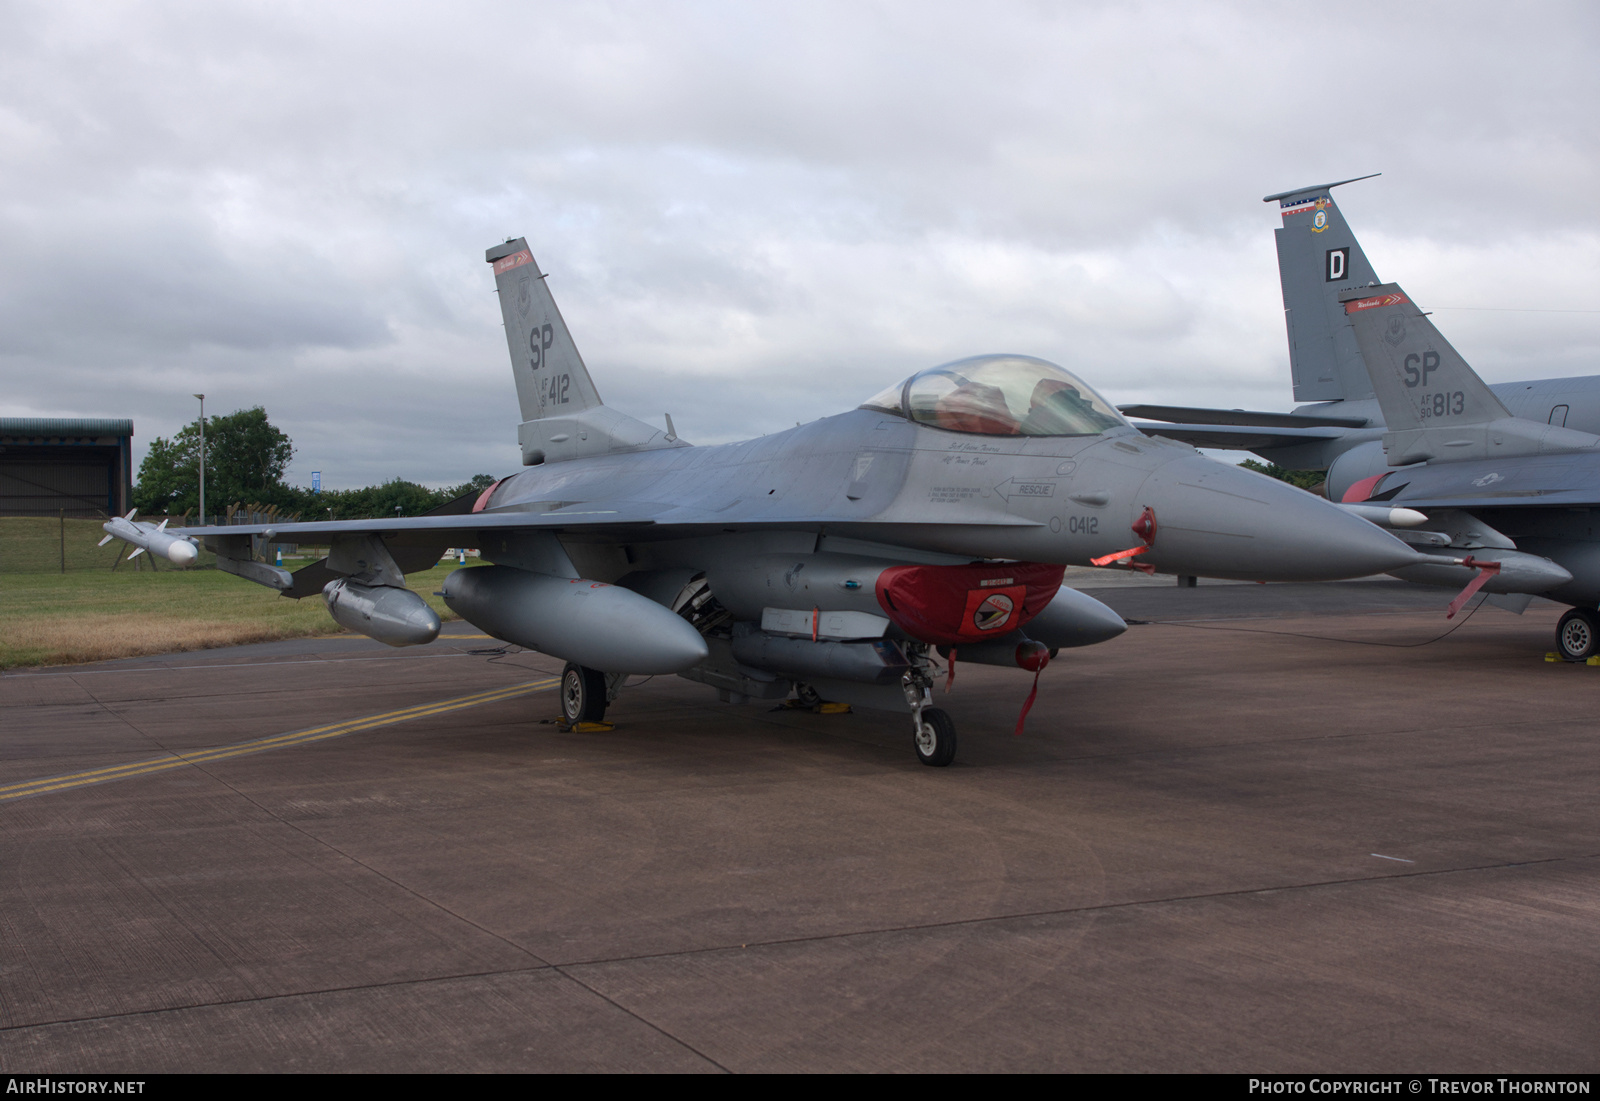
[{"x": 1000, "y": 395}]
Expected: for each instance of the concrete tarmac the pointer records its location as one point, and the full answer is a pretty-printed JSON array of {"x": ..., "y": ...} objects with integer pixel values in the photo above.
[{"x": 1225, "y": 842}]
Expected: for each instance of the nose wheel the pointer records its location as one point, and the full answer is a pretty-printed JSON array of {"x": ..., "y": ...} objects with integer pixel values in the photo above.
[
  {"x": 933, "y": 733},
  {"x": 935, "y": 739}
]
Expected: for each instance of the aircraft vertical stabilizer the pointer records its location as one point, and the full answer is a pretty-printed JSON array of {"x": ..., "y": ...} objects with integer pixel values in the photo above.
[
  {"x": 551, "y": 377},
  {"x": 562, "y": 415},
  {"x": 1318, "y": 257},
  {"x": 1434, "y": 405}
]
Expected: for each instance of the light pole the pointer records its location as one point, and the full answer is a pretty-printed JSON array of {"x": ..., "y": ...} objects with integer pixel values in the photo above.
[{"x": 202, "y": 398}]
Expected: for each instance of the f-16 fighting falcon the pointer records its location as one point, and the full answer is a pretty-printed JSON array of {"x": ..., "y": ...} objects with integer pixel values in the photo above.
[
  {"x": 1525, "y": 520},
  {"x": 835, "y": 559}
]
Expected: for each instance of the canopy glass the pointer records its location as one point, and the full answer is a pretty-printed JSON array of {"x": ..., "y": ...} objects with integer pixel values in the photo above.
[{"x": 1000, "y": 395}]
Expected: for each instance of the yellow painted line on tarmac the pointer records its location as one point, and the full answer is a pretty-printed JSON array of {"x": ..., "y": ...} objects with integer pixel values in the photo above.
[{"x": 262, "y": 745}]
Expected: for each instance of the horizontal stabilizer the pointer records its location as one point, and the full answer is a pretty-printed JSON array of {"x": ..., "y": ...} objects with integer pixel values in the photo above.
[{"x": 1314, "y": 188}]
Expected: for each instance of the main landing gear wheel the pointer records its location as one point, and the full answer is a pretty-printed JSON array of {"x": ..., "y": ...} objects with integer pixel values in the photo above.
[
  {"x": 1578, "y": 634},
  {"x": 935, "y": 741},
  {"x": 583, "y": 694},
  {"x": 807, "y": 695}
]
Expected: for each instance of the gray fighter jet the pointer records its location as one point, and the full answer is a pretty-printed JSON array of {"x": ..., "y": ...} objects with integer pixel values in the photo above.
[
  {"x": 1342, "y": 425},
  {"x": 835, "y": 559},
  {"x": 1318, "y": 256},
  {"x": 1518, "y": 494},
  {"x": 1357, "y": 429}
]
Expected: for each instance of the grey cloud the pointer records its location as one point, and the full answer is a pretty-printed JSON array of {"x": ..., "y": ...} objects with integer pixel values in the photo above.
[{"x": 752, "y": 216}]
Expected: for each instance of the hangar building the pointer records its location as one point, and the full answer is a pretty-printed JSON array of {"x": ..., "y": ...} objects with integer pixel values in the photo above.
[{"x": 78, "y": 465}]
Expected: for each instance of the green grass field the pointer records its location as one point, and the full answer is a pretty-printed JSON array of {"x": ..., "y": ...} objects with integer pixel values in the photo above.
[
  {"x": 91, "y": 613},
  {"x": 35, "y": 544}
]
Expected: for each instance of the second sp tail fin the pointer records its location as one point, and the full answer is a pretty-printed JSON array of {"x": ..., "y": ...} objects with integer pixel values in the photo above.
[{"x": 1434, "y": 404}]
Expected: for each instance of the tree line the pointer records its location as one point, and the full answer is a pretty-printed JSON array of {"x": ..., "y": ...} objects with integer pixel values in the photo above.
[
  {"x": 1311, "y": 480},
  {"x": 245, "y": 460}
]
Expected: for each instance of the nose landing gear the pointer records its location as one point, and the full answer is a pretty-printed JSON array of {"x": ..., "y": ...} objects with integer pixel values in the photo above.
[
  {"x": 935, "y": 739},
  {"x": 933, "y": 731}
]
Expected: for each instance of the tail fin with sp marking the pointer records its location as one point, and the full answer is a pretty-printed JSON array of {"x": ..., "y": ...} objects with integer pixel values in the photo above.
[
  {"x": 562, "y": 415},
  {"x": 1434, "y": 404}
]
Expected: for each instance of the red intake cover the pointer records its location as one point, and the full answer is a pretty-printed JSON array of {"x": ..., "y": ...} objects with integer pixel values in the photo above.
[
  {"x": 949, "y": 605},
  {"x": 1363, "y": 490}
]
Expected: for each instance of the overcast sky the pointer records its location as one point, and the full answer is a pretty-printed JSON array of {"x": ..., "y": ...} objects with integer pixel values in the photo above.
[{"x": 754, "y": 214}]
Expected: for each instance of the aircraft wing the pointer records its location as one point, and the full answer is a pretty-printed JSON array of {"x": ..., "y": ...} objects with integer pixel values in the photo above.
[
  {"x": 663, "y": 521},
  {"x": 429, "y": 528},
  {"x": 1185, "y": 414},
  {"x": 416, "y": 542},
  {"x": 1235, "y": 437}
]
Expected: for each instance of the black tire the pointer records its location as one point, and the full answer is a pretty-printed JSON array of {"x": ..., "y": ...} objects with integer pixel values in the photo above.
[
  {"x": 583, "y": 694},
  {"x": 935, "y": 743},
  {"x": 1578, "y": 634},
  {"x": 807, "y": 695}
]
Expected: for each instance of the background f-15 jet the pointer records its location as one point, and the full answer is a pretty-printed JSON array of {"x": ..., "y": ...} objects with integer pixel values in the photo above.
[
  {"x": 834, "y": 559},
  {"x": 1505, "y": 475}
]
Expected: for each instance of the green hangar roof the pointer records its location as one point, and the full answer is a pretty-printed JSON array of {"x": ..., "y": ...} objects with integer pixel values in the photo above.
[{"x": 32, "y": 428}]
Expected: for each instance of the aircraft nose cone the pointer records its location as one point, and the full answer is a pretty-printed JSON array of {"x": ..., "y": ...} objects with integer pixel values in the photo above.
[{"x": 1217, "y": 520}]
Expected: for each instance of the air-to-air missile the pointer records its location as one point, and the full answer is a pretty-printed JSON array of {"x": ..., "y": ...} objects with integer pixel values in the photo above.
[{"x": 145, "y": 536}]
